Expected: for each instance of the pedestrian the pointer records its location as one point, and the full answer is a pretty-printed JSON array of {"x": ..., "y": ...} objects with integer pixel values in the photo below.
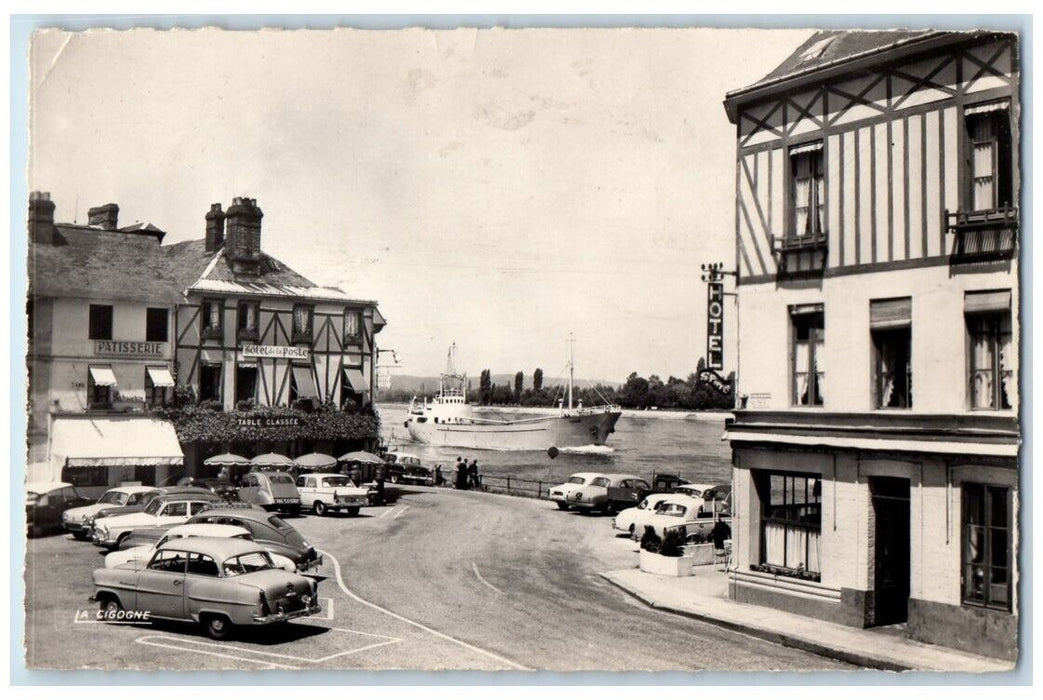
[
  {"x": 461, "y": 475},
  {"x": 472, "y": 474},
  {"x": 439, "y": 480}
]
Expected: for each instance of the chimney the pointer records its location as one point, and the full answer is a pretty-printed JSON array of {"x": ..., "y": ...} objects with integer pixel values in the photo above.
[
  {"x": 104, "y": 216},
  {"x": 41, "y": 219},
  {"x": 215, "y": 228},
  {"x": 243, "y": 235}
]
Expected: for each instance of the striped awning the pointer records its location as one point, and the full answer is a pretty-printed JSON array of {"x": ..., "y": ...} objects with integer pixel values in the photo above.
[
  {"x": 303, "y": 379},
  {"x": 102, "y": 376},
  {"x": 996, "y": 106},
  {"x": 356, "y": 380},
  {"x": 805, "y": 148},
  {"x": 160, "y": 376},
  {"x": 114, "y": 442}
]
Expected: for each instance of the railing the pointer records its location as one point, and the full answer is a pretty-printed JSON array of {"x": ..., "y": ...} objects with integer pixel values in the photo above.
[
  {"x": 981, "y": 235},
  {"x": 515, "y": 486},
  {"x": 788, "y": 252}
]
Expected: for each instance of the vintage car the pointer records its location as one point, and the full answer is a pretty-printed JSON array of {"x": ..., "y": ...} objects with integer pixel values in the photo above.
[
  {"x": 679, "y": 511},
  {"x": 595, "y": 495},
  {"x": 721, "y": 493},
  {"x": 326, "y": 492},
  {"x": 562, "y": 494},
  {"x": 220, "y": 487},
  {"x": 218, "y": 583},
  {"x": 144, "y": 501},
  {"x": 627, "y": 518},
  {"x": 140, "y": 545},
  {"x": 46, "y": 501},
  {"x": 407, "y": 469},
  {"x": 168, "y": 511},
  {"x": 272, "y": 532},
  {"x": 270, "y": 490},
  {"x": 77, "y": 520}
]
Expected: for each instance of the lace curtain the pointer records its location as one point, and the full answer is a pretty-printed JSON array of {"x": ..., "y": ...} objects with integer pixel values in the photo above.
[
  {"x": 801, "y": 373},
  {"x": 984, "y": 138},
  {"x": 1008, "y": 365},
  {"x": 820, "y": 374},
  {"x": 808, "y": 194}
]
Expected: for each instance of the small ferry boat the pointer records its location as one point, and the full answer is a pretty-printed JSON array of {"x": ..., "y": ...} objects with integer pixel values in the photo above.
[{"x": 449, "y": 420}]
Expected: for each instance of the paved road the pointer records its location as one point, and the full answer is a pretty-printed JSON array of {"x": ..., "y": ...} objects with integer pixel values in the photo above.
[{"x": 440, "y": 580}]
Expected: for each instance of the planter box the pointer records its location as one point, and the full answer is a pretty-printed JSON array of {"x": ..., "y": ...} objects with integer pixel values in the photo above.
[
  {"x": 666, "y": 566},
  {"x": 701, "y": 554}
]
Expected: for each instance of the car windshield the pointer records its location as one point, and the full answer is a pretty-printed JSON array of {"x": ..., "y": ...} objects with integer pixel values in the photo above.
[
  {"x": 154, "y": 506},
  {"x": 576, "y": 480},
  {"x": 280, "y": 479},
  {"x": 336, "y": 481},
  {"x": 248, "y": 563},
  {"x": 115, "y": 498}
]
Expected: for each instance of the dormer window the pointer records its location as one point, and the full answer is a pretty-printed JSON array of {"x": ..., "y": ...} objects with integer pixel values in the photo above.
[
  {"x": 352, "y": 326},
  {"x": 817, "y": 49},
  {"x": 212, "y": 312}
]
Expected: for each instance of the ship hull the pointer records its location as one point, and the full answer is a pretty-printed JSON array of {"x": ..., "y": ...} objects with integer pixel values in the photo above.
[{"x": 533, "y": 434}]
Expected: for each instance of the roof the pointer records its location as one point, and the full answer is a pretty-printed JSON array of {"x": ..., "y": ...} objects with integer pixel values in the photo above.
[
  {"x": 219, "y": 548},
  {"x": 207, "y": 530},
  {"x": 132, "y": 489}
]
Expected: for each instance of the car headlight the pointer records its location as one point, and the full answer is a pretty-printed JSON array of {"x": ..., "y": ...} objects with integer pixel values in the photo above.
[
  {"x": 304, "y": 543},
  {"x": 306, "y": 599}
]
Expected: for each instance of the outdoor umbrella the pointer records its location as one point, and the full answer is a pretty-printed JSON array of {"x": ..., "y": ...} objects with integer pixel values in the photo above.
[
  {"x": 271, "y": 459},
  {"x": 360, "y": 457},
  {"x": 227, "y": 460},
  {"x": 316, "y": 461}
]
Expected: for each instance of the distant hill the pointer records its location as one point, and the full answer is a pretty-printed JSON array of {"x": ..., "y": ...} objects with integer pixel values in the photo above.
[{"x": 429, "y": 385}]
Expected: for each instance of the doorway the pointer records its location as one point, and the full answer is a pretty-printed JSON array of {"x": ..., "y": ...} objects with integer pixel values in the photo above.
[{"x": 891, "y": 549}]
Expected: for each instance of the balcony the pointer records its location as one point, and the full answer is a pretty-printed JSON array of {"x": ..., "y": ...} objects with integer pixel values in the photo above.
[
  {"x": 990, "y": 234},
  {"x": 801, "y": 256}
]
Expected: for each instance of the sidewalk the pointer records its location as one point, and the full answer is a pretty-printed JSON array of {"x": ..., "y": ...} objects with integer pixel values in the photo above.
[{"x": 704, "y": 596}]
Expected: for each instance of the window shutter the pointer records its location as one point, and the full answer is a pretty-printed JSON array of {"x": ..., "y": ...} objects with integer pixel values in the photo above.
[
  {"x": 985, "y": 302},
  {"x": 890, "y": 313}
]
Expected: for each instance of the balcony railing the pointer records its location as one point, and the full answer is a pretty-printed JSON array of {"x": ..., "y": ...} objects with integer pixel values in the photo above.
[
  {"x": 984, "y": 234},
  {"x": 801, "y": 256}
]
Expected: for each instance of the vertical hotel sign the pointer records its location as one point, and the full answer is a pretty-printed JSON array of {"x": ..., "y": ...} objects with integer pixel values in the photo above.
[{"x": 715, "y": 325}]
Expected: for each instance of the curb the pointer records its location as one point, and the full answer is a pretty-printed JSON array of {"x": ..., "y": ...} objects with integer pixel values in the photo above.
[{"x": 781, "y": 638}]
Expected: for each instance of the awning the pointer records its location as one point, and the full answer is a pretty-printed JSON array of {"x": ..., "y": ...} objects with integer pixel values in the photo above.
[
  {"x": 114, "y": 442},
  {"x": 806, "y": 148},
  {"x": 305, "y": 385},
  {"x": 356, "y": 380},
  {"x": 890, "y": 313},
  {"x": 160, "y": 376},
  {"x": 987, "y": 107},
  {"x": 890, "y": 445},
  {"x": 800, "y": 309},
  {"x": 103, "y": 376},
  {"x": 982, "y": 302}
]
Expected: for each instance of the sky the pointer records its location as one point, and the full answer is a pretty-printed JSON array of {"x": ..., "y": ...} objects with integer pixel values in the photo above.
[{"x": 496, "y": 189}]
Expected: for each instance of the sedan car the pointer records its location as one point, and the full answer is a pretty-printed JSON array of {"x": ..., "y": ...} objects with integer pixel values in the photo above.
[
  {"x": 218, "y": 583},
  {"x": 110, "y": 531},
  {"x": 562, "y": 494},
  {"x": 145, "y": 500},
  {"x": 46, "y": 501},
  {"x": 272, "y": 532},
  {"x": 627, "y": 519},
  {"x": 679, "y": 511},
  {"x": 594, "y": 496},
  {"x": 78, "y": 520},
  {"x": 144, "y": 545},
  {"x": 336, "y": 492}
]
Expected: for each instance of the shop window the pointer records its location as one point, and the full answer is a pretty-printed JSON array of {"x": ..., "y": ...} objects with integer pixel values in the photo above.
[
  {"x": 993, "y": 358},
  {"x": 302, "y": 323},
  {"x": 791, "y": 523},
  {"x": 987, "y": 549},
  {"x": 891, "y": 334},
  {"x": 808, "y": 199},
  {"x": 211, "y": 312},
  {"x": 245, "y": 383},
  {"x": 100, "y": 322},
  {"x": 210, "y": 382},
  {"x": 808, "y": 333},
  {"x": 156, "y": 322},
  {"x": 86, "y": 476},
  {"x": 248, "y": 319},
  {"x": 352, "y": 326},
  {"x": 989, "y": 166}
]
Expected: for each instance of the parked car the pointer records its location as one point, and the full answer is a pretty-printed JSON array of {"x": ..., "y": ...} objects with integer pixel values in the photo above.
[
  {"x": 679, "y": 511},
  {"x": 270, "y": 490},
  {"x": 77, "y": 520},
  {"x": 721, "y": 493},
  {"x": 627, "y": 518},
  {"x": 407, "y": 469},
  {"x": 268, "y": 530},
  {"x": 326, "y": 492},
  {"x": 46, "y": 501},
  {"x": 146, "y": 499},
  {"x": 218, "y": 583},
  {"x": 595, "y": 495},
  {"x": 168, "y": 510},
  {"x": 139, "y": 547},
  {"x": 219, "y": 487},
  {"x": 562, "y": 494},
  {"x": 627, "y": 493}
]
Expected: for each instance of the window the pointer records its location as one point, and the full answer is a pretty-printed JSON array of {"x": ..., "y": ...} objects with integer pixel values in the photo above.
[
  {"x": 156, "y": 325},
  {"x": 211, "y": 313},
  {"x": 302, "y": 320},
  {"x": 177, "y": 509},
  {"x": 245, "y": 382},
  {"x": 808, "y": 195},
  {"x": 86, "y": 476},
  {"x": 100, "y": 382},
  {"x": 169, "y": 561},
  {"x": 990, "y": 170},
  {"x": 891, "y": 333},
  {"x": 202, "y": 565},
  {"x": 248, "y": 315},
  {"x": 791, "y": 521},
  {"x": 987, "y": 555},
  {"x": 808, "y": 333},
  {"x": 209, "y": 382},
  {"x": 100, "y": 322},
  {"x": 993, "y": 357},
  {"x": 158, "y": 382},
  {"x": 352, "y": 325},
  {"x": 198, "y": 507}
]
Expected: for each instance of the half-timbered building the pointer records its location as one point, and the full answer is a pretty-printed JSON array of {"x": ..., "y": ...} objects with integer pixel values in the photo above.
[{"x": 875, "y": 451}]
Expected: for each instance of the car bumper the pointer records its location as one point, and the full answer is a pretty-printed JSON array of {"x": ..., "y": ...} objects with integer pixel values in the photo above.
[
  {"x": 311, "y": 564},
  {"x": 284, "y": 616},
  {"x": 106, "y": 542},
  {"x": 73, "y": 526}
]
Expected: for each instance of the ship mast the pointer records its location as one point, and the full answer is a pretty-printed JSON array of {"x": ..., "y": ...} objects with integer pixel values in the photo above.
[{"x": 572, "y": 345}]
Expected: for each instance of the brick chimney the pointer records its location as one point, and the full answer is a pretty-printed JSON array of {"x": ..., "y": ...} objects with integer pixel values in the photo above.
[
  {"x": 215, "y": 228},
  {"x": 243, "y": 235},
  {"x": 41, "y": 219},
  {"x": 104, "y": 216}
]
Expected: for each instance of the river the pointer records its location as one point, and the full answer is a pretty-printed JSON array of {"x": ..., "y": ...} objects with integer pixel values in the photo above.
[{"x": 643, "y": 443}]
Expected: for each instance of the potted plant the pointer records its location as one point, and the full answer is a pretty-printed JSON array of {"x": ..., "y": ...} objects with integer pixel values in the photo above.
[{"x": 665, "y": 556}]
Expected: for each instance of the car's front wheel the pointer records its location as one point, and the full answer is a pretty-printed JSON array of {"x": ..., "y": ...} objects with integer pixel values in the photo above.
[
  {"x": 319, "y": 508},
  {"x": 80, "y": 535},
  {"x": 217, "y": 626},
  {"x": 562, "y": 505}
]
